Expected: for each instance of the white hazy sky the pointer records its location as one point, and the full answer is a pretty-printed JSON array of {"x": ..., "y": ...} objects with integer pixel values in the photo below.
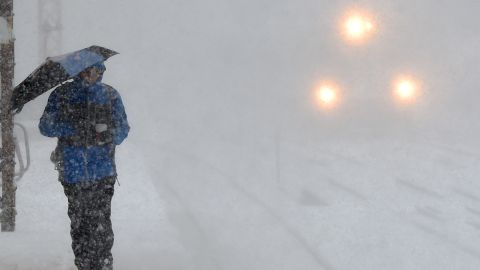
[{"x": 235, "y": 66}]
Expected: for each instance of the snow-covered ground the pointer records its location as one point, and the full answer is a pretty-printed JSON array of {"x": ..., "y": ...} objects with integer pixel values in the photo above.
[
  {"x": 42, "y": 239},
  {"x": 376, "y": 205}
]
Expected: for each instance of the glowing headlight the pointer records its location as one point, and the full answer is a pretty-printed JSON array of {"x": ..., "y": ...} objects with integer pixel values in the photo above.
[{"x": 357, "y": 27}]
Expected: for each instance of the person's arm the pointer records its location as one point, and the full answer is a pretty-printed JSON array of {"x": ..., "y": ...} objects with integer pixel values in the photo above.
[
  {"x": 120, "y": 124},
  {"x": 50, "y": 124}
]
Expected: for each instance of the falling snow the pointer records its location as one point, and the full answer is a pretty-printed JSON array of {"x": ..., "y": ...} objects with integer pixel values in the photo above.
[{"x": 235, "y": 160}]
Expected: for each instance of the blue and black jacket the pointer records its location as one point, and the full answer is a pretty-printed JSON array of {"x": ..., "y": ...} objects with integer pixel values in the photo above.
[{"x": 89, "y": 121}]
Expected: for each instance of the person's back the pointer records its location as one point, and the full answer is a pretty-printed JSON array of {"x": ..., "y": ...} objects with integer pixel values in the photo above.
[{"x": 89, "y": 120}]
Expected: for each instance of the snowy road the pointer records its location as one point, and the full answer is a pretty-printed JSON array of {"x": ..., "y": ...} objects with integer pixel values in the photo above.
[{"x": 375, "y": 205}]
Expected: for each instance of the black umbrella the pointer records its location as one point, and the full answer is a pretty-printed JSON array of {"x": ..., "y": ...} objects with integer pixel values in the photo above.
[{"x": 56, "y": 70}]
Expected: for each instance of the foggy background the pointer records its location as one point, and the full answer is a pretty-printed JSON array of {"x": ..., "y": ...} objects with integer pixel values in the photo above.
[
  {"x": 250, "y": 65},
  {"x": 252, "y": 174}
]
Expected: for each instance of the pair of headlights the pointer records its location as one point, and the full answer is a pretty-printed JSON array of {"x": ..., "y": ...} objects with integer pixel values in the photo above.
[{"x": 405, "y": 90}]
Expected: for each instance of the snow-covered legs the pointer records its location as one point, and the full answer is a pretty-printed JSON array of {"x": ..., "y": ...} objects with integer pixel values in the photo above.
[{"x": 89, "y": 209}]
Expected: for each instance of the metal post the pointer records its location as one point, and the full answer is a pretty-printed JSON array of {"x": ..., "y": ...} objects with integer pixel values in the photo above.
[
  {"x": 50, "y": 26},
  {"x": 7, "y": 62}
]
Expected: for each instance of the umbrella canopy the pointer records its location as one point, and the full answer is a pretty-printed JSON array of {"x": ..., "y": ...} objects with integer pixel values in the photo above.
[{"x": 56, "y": 70}]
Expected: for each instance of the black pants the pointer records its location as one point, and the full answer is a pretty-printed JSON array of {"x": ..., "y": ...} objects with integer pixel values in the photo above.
[{"x": 89, "y": 209}]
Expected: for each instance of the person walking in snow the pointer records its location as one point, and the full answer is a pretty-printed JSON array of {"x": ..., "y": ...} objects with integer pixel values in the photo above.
[{"x": 89, "y": 120}]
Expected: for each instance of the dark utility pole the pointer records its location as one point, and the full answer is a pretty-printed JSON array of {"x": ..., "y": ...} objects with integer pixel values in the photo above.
[{"x": 7, "y": 63}]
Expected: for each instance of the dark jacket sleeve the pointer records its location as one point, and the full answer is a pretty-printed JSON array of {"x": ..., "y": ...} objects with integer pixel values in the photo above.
[
  {"x": 50, "y": 124},
  {"x": 121, "y": 127}
]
